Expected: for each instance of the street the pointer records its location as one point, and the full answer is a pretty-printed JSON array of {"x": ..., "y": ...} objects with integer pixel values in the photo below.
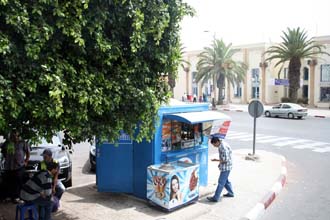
[{"x": 306, "y": 146}]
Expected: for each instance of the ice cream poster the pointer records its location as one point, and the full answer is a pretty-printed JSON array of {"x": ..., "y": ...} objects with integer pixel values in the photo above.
[{"x": 173, "y": 189}]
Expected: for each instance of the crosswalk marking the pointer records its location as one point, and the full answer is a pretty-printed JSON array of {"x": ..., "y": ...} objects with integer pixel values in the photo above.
[
  {"x": 259, "y": 137},
  {"x": 311, "y": 145},
  {"x": 241, "y": 136},
  {"x": 235, "y": 134},
  {"x": 274, "y": 140},
  {"x": 295, "y": 143},
  {"x": 322, "y": 150},
  {"x": 281, "y": 144}
]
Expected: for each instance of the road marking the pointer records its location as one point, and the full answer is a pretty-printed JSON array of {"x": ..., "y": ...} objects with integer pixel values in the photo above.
[
  {"x": 274, "y": 140},
  {"x": 233, "y": 134},
  {"x": 310, "y": 146},
  {"x": 289, "y": 142},
  {"x": 322, "y": 150},
  {"x": 241, "y": 136},
  {"x": 259, "y": 137},
  {"x": 315, "y": 146}
]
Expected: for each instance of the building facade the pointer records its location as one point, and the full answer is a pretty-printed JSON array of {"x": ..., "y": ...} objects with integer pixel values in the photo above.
[{"x": 263, "y": 80}]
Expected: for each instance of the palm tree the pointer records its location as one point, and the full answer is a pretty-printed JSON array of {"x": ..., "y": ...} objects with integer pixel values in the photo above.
[
  {"x": 216, "y": 63},
  {"x": 294, "y": 48},
  {"x": 183, "y": 63}
]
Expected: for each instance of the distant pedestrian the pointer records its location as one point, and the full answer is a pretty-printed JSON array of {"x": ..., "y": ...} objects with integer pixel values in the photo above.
[
  {"x": 225, "y": 166},
  {"x": 204, "y": 97},
  {"x": 195, "y": 98},
  {"x": 68, "y": 140},
  {"x": 17, "y": 154}
]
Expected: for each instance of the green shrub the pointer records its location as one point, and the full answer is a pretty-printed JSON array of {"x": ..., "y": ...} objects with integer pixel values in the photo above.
[
  {"x": 302, "y": 101},
  {"x": 285, "y": 99}
]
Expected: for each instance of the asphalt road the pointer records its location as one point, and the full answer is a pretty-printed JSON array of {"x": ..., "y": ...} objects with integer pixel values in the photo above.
[
  {"x": 81, "y": 174},
  {"x": 306, "y": 146}
]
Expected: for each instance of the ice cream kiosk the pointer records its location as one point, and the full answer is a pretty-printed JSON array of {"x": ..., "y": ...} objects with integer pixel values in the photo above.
[{"x": 168, "y": 170}]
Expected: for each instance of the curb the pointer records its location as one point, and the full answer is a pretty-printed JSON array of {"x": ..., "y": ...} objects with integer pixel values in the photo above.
[
  {"x": 267, "y": 200},
  {"x": 319, "y": 116},
  {"x": 240, "y": 110}
]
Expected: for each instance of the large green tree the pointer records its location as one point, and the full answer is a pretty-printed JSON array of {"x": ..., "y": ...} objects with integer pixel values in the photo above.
[
  {"x": 217, "y": 63},
  {"x": 89, "y": 66},
  {"x": 295, "y": 47}
]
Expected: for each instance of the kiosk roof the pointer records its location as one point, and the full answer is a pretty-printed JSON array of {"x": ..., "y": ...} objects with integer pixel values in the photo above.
[{"x": 197, "y": 117}]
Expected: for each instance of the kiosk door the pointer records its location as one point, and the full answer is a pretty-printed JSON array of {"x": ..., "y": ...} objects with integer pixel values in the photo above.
[{"x": 114, "y": 169}]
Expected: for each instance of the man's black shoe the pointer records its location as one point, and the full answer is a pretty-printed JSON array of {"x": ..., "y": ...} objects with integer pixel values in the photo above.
[
  {"x": 228, "y": 195},
  {"x": 211, "y": 199}
]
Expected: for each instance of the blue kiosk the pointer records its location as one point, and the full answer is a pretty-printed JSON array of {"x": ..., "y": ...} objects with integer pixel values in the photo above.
[{"x": 181, "y": 136}]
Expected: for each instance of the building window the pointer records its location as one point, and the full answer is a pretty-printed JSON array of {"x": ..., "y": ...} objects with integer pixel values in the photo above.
[
  {"x": 325, "y": 73},
  {"x": 194, "y": 83},
  {"x": 255, "y": 83},
  {"x": 285, "y": 73},
  {"x": 305, "y": 91},
  {"x": 325, "y": 94},
  {"x": 255, "y": 75},
  {"x": 306, "y": 73},
  {"x": 238, "y": 90}
]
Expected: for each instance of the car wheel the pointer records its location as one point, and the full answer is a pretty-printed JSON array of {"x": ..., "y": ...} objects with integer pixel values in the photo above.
[
  {"x": 290, "y": 115},
  {"x": 267, "y": 114},
  {"x": 93, "y": 167},
  {"x": 68, "y": 183}
]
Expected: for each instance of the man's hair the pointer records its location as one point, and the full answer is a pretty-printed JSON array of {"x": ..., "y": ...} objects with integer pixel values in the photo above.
[
  {"x": 214, "y": 140},
  {"x": 52, "y": 165}
]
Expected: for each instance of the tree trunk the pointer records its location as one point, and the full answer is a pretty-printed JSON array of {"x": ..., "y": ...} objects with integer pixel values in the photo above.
[
  {"x": 171, "y": 83},
  {"x": 294, "y": 78},
  {"x": 228, "y": 92},
  {"x": 220, "y": 84},
  {"x": 214, "y": 92}
]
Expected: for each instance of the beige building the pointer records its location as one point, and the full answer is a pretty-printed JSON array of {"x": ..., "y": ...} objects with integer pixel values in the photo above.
[{"x": 261, "y": 79}]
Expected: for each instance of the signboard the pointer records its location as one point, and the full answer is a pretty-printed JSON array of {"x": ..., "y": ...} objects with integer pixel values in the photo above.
[
  {"x": 281, "y": 82},
  {"x": 220, "y": 128}
]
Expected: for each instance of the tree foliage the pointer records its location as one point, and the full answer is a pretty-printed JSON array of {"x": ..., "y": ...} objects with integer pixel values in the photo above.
[
  {"x": 294, "y": 48},
  {"x": 89, "y": 66},
  {"x": 217, "y": 63}
]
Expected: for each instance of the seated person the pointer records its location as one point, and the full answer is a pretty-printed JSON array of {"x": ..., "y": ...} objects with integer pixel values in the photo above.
[
  {"x": 57, "y": 186},
  {"x": 38, "y": 190}
]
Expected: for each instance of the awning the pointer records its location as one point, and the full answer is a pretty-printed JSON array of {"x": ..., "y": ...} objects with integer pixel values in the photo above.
[{"x": 197, "y": 117}]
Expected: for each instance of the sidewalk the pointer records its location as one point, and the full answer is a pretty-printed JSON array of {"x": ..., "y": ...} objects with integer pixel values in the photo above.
[
  {"x": 253, "y": 184},
  {"x": 315, "y": 112}
]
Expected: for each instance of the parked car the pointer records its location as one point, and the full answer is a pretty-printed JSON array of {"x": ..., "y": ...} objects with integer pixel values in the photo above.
[
  {"x": 92, "y": 157},
  {"x": 288, "y": 110},
  {"x": 60, "y": 153}
]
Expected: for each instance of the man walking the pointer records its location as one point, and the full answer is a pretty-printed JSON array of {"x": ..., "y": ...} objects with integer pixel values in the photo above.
[{"x": 225, "y": 166}]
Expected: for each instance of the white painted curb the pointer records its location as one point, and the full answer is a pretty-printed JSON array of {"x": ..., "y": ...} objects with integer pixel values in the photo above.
[{"x": 261, "y": 206}]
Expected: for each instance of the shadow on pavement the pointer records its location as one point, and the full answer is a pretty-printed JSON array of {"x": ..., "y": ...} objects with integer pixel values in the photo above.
[
  {"x": 87, "y": 199},
  {"x": 86, "y": 169}
]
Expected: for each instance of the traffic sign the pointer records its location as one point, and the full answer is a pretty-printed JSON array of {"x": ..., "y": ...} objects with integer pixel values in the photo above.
[{"x": 256, "y": 108}]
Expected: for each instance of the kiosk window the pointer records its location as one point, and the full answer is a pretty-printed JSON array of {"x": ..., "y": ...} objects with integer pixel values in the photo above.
[{"x": 178, "y": 135}]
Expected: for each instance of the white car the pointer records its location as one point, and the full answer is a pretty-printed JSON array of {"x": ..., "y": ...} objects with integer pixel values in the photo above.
[{"x": 287, "y": 110}]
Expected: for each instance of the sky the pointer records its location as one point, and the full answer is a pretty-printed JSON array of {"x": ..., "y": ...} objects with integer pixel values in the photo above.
[{"x": 252, "y": 21}]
